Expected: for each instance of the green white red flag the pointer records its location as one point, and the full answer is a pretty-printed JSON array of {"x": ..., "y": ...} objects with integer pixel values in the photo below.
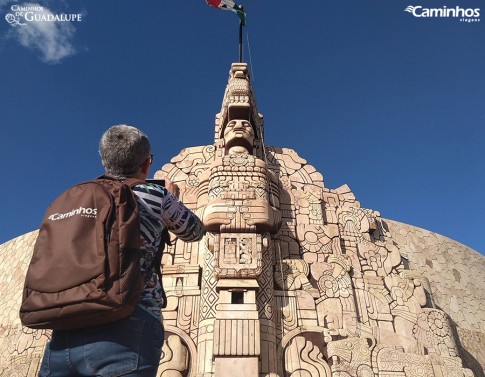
[{"x": 229, "y": 5}]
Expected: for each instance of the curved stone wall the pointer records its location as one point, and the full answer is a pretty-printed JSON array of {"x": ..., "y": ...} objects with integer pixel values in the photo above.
[
  {"x": 21, "y": 348},
  {"x": 457, "y": 281},
  {"x": 455, "y": 272}
]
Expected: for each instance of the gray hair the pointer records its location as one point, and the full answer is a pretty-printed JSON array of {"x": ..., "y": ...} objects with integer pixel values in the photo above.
[{"x": 123, "y": 149}]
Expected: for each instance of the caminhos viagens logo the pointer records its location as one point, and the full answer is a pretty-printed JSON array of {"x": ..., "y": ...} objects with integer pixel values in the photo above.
[
  {"x": 81, "y": 211},
  {"x": 463, "y": 14}
]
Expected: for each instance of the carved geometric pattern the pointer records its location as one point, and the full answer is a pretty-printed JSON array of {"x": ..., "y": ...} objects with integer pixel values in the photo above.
[
  {"x": 265, "y": 296},
  {"x": 209, "y": 297},
  {"x": 236, "y": 337}
]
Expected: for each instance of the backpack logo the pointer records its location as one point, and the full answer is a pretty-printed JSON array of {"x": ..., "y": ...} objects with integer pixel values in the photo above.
[{"x": 81, "y": 211}]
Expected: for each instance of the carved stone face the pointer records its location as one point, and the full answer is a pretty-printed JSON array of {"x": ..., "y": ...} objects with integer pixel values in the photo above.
[{"x": 239, "y": 133}]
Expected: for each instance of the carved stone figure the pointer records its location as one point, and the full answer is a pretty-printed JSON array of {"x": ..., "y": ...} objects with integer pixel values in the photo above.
[{"x": 285, "y": 254}]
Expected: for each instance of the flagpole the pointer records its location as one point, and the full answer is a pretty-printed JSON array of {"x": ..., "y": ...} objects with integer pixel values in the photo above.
[
  {"x": 241, "y": 24},
  {"x": 240, "y": 42}
]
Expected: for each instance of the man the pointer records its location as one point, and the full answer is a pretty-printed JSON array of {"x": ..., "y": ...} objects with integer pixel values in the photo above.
[{"x": 131, "y": 346}]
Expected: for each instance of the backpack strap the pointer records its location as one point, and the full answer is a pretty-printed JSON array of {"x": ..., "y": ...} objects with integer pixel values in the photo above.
[{"x": 165, "y": 238}]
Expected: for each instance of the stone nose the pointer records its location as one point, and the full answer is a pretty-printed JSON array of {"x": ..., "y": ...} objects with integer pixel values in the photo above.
[{"x": 239, "y": 125}]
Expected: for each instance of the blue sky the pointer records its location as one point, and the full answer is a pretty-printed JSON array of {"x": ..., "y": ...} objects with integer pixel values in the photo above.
[{"x": 372, "y": 96}]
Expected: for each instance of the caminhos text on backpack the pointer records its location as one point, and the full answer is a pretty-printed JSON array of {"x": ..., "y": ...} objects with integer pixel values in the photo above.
[{"x": 85, "y": 212}]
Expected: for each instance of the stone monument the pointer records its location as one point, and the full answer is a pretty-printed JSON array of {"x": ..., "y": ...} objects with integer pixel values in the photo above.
[{"x": 292, "y": 279}]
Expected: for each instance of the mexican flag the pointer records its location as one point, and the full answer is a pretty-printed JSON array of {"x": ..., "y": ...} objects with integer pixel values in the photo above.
[{"x": 229, "y": 5}]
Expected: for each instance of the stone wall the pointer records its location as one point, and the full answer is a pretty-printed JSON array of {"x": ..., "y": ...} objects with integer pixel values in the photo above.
[
  {"x": 455, "y": 272},
  {"x": 21, "y": 348},
  {"x": 457, "y": 280}
]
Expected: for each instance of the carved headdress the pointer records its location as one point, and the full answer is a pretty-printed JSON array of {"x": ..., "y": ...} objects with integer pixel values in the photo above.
[{"x": 239, "y": 103}]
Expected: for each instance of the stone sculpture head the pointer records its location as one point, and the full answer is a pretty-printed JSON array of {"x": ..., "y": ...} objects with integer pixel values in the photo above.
[{"x": 238, "y": 136}]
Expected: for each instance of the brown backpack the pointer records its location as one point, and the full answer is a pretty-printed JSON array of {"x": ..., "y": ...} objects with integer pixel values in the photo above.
[{"x": 85, "y": 269}]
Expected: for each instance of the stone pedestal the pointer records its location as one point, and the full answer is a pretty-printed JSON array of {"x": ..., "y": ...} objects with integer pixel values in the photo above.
[{"x": 237, "y": 342}]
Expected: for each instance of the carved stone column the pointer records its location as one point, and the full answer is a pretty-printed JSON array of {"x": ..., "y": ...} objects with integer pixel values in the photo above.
[{"x": 239, "y": 196}]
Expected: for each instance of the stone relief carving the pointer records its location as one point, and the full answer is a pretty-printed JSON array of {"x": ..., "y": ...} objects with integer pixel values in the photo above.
[
  {"x": 292, "y": 279},
  {"x": 351, "y": 357},
  {"x": 303, "y": 358},
  {"x": 174, "y": 361},
  {"x": 434, "y": 332}
]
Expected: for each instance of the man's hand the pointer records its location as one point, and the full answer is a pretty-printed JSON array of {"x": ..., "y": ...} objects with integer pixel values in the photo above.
[{"x": 172, "y": 187}]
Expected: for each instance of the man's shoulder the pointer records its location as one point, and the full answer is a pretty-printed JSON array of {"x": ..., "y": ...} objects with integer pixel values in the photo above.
[{"x": 149, "y": 188}]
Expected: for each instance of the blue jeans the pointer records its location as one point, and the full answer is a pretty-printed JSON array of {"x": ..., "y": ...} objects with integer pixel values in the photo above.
[{"x": 128, "y": 347}]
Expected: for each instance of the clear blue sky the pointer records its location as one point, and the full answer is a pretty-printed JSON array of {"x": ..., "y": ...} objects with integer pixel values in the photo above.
[{"x": 373, "y": 97}]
